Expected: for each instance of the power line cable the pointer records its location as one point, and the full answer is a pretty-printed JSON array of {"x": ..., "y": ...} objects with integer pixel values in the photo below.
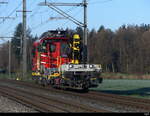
[
  {"x": 11, "y": 12},
  {"x": 9, "y": 26},
  {"x": 77, "y": 13},
  {"x": 39, "y": 25},
  {"x": 45, "y": 22}
]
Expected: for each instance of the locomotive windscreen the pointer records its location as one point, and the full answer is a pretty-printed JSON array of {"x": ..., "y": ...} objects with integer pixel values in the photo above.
[{"x": 65, "y": 50}]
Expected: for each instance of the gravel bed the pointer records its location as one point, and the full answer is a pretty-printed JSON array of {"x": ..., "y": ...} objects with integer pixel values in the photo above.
[{"x": 8, "y": 105}]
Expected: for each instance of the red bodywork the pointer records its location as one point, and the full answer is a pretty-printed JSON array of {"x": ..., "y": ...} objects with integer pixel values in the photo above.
[{"x": 52, "y": 56}]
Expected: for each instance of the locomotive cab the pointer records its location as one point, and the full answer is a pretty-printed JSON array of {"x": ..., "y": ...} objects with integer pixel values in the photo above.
[{"x": 49, "y": 53}]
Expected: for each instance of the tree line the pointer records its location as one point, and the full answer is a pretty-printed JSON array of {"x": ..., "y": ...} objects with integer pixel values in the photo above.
[{"x": 126, "y": 50}]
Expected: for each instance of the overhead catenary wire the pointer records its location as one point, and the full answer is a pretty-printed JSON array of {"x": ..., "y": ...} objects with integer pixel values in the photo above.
[
  {"x": 12, "y": 12},
  {"x": 9, "y": 27},
  {"x": 46, "y": 21},
  {"x": 76, "y": 14},
  {"x": 65, "y": 14},
  {"x": 69, "y": 10},
  {"x": 37, "y": 11},
  {"x": 8, "y": 32}
]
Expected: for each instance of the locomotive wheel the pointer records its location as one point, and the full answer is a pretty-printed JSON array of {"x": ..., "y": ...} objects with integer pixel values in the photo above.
[
  {"x": 62, "y": 83},
  {"x": 85, "y": 89},
  {"x": 52, "y": 83},
  {"x": 39, "y": 81},
  {"x": 36, "y": 81},
  {"x": 44, "y": 82}
]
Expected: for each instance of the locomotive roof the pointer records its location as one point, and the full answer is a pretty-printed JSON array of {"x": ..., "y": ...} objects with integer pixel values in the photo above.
[
  {"x": 39, "y": 41},
  {"x": 52, "y": 35}
]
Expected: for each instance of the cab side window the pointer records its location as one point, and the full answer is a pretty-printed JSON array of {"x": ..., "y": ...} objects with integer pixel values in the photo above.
[
  {"x": 52, "y": 47},
  {"x": 65, "y": 50},
  {"x": 42, "y": 48}
]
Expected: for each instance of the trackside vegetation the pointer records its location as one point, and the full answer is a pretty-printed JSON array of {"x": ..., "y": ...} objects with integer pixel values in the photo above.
[{"x": 125, "y": 86}]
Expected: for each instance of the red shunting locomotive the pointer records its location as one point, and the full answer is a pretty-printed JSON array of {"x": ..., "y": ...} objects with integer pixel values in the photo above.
[{"x": 56, "y": 62}]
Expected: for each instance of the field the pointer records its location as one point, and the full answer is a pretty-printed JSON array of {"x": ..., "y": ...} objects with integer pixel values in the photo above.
[
  {"x": 130, "y": 87},
  {"x": 125, "y": 76},
  {"x": 15, "y": 76}
]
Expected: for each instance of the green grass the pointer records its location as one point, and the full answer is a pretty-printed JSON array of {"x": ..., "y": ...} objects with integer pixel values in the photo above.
[
  {"x": 116, "y": 74},
  {"x": 125, "y": 76},
  {"x": 15, "y": 76},
  {"x": 129, "y": 87},
  {"x": 6, "y": 76}
]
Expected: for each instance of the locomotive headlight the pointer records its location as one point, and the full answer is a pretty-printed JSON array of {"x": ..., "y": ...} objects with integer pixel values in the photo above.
[
  {"x": 91, "y": 66},
  {"x": 70, "y": 66}
]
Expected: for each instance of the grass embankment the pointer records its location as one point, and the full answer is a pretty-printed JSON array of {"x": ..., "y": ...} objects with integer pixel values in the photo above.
[
  {"x": 16, "y": 76},
  {"x": 126, "y": 84},
  {"x": 124, "y": 76}
]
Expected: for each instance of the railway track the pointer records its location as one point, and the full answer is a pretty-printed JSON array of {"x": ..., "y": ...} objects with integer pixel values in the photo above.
[
  {"x": 124, "y": 101},
  {"x": 129, "y": 101},
  {"x": 111, "y": 99},
  {"x": 44, "y": 103}
]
